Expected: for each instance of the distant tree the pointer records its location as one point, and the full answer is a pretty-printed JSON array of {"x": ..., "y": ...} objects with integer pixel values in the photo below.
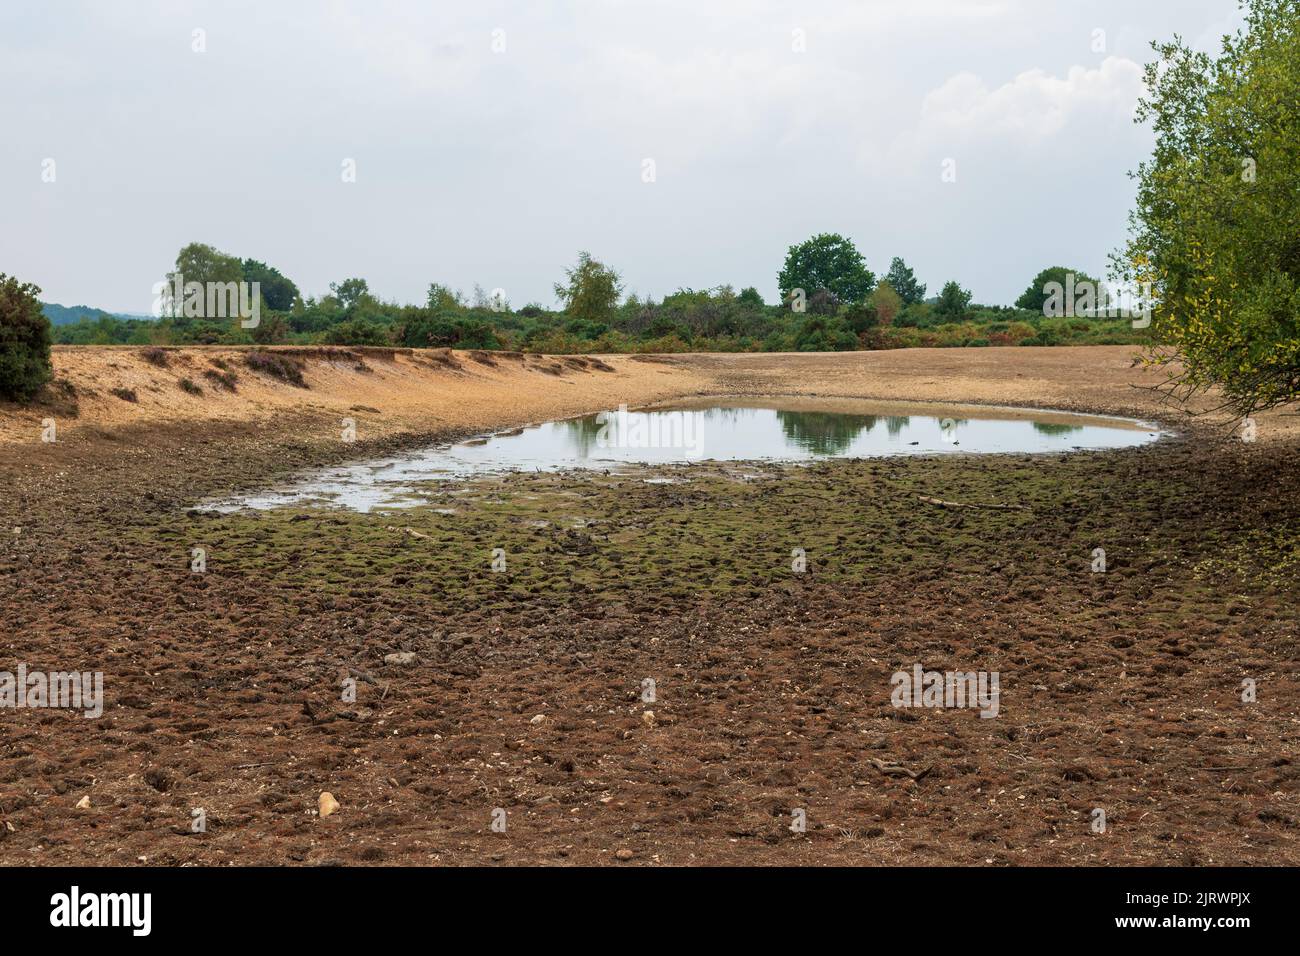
[
  {"x": 826, "y": 261},
  {"x": 1036, "y": 296},
  {"x": 24, "y": 340},
  {"x": 442, "y": 298},
  {"x": 350, "y": 292},
  {"x": 953, "y": 302},
  {"x": 903, "y": 281},
  {"x": 591, "y": 290},
  {"x": 887, "y": 302},
  {"x": 750, "y": 298},
  {"x": 278, "y": 292},
  {"x": 201, "y": 263},
  {"x": 1215, "y": 230}
]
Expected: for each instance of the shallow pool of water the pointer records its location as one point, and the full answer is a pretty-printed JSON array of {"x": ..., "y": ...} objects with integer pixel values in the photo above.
[{"x": 795, "y": 430}]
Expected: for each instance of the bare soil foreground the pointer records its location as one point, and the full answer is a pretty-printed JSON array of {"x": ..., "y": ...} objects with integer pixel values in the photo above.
[{"x": 521, "y": 691}]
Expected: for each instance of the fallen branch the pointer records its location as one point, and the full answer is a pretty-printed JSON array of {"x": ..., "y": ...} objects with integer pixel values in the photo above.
[
  {"x": 896, "y": 770},
  {"x": 940, "y": 503}
]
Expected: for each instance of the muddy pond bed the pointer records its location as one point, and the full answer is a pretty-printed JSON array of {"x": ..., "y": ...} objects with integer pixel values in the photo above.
[{"x": 789, "y": 430}]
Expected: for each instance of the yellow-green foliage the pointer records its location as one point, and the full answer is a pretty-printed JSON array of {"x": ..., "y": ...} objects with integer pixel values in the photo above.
[{"x": 1216, "y": 230}]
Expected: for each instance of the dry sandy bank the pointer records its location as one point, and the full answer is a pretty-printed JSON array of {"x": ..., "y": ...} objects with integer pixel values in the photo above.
[{"x": 389, "y": 391}]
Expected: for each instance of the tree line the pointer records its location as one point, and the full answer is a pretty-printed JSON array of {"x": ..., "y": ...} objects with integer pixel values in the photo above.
[{"x": 829, "y": 301}]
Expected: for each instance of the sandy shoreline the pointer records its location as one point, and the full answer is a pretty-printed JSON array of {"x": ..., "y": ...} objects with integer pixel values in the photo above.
[{"x": 391, "y": 391}]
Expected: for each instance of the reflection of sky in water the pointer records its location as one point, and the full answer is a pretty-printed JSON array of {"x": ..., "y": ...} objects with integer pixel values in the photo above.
[{"x": 666, "y": 437}]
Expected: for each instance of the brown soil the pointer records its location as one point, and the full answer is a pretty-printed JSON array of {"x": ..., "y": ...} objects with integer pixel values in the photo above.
[{"x": 1120, "y": 691}]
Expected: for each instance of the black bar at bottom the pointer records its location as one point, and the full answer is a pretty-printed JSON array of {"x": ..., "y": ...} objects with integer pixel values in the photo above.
[{"x": 335, "y": 906}]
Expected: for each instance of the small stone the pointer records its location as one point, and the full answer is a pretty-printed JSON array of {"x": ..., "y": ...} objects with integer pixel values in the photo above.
[
  {"x": 648, "y": 718},
  {"x": 401, "y": 658},
  {"x": 624, "y": 854},
  {"x": 538, "y": 719},
  {"x": 327, "y": 804},
  {"x": 84, "y": 803}
]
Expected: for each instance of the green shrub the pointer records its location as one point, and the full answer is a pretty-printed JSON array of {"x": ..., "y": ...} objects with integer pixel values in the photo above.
[
  {"x": 427, "y": 328},
  {"x": 24, "y": 340},
  {"x": 357, "y": 332}
]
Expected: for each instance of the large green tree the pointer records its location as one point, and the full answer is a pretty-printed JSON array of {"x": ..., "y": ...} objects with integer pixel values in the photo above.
[
  {"x": 953, "y": 302},
  {"x": 827, "y": 261},
  {"x": 278, "y": 291},
  {"x": 198, "y": 262},
  {"x": 903, "y": 281},
  {"x": 1216, "y": 227},
  {"x": 1037, "y": 295},
  {"x": 24, "y": 340},
  {"x": 350, "y": 293},
  {"x": 590, "y": 291}
]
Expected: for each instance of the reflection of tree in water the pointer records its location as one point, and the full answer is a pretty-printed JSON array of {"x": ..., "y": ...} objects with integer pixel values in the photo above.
[
  {"x": 656, "y": 429},
  {"x": 582, "y": 433},
  {"x": 1047, "y": 429},
  {"x": 895, "y": 424},
  {"x": 824, "y": 433}
]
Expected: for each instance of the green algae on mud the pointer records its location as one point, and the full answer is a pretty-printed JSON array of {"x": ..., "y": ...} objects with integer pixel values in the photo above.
[{"x": 720, "y": 528}]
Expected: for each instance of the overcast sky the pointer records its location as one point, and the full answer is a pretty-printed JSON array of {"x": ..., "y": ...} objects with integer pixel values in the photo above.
[{"x": 494, "y": 166}]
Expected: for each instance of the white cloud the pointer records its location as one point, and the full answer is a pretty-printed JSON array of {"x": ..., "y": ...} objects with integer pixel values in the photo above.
[{"x": 1035, "y": 106}]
